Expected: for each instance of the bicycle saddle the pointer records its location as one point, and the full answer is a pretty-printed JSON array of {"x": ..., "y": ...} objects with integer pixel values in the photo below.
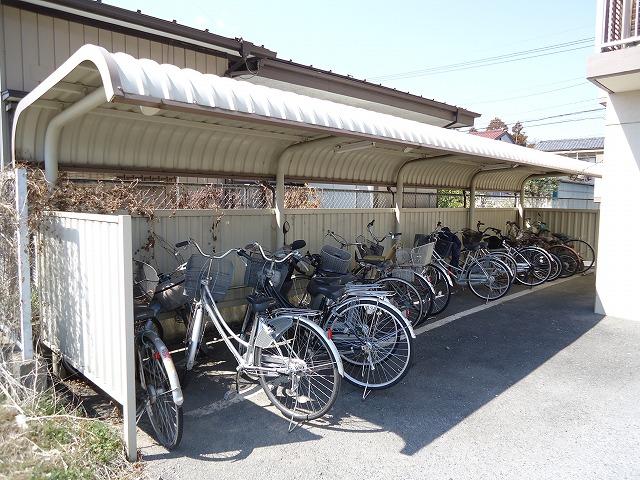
[
  {"x": 333, "y": 279},
  {"x": 373, "y": 259},
  {"x": 260, "y": 303},
  {"x": 332, "y": 292},
  {"x": 142, "y": 312},
  {"x": 475, "y": 246}
]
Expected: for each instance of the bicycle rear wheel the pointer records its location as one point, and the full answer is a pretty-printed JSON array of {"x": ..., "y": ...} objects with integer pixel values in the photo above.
[
  {"x": 427, "y": 294},
  {"x": 164, "y": 413},
  {"x": 556, "y": 267},
  {"x": 303, "y": 378},
  {"x": 534, "y": 266},
  {"x": 568, "y": 258},
  {"x": 405, "y": 297},
  {"x": 585, "y": 252},
  {"x": 373, "y": 340}
]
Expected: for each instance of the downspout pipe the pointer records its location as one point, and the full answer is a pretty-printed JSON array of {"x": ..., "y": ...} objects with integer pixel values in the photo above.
[
  {"x": 52, "y": 135},
  {"x": 282, "y": 167}
]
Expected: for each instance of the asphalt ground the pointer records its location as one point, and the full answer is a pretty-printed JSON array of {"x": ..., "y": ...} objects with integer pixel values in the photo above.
[{"x": 534, "y": 387}]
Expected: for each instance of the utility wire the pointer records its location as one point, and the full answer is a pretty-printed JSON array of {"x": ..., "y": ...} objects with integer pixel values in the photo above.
[
  {"x": 565, "y": 121},
  {"x": 553, "y": 116},
  {"x": 527, "y": 88},
  {"x": 498, "y": 59}
]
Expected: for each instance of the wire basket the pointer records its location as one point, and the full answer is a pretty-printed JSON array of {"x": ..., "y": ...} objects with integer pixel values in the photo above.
[
  {"x": 258, "y": 268},
  {"x": 333, "y": 259},
  {"x": 145, "y": 281},
  {"x": 404, "y": 274},
  {"x": 217, "y": 272}
]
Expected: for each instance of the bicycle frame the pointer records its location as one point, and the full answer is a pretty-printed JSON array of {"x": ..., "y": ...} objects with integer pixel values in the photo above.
[{"x": 460, "y": 272}]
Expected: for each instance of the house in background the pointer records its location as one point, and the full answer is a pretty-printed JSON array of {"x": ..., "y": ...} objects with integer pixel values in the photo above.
[
  {"x": 501, "y": 135},
  {"x": 575, "y": 192}
]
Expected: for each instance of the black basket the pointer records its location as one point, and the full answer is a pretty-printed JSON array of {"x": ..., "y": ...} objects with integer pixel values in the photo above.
[
  {"x": 258, "y": 268},
  {"x": 218, "y": 272},
  {"x": 443, "y": 247},
  {"x": 471, "y": 237},
  {"x": 333, "y": 259}
]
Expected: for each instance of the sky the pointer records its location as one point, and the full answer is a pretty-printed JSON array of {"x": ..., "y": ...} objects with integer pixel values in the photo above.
[{"x": 394, "y": 43}]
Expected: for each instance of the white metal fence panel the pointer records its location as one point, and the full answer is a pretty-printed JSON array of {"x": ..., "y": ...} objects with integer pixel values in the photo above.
[
  {"x": 425, "y": 220},
  {"x": 86, "y": 298},
  {"x": 580, "y": 224},
  {"x": 84, "y": 273},
  {"x": 495, "y": 217},
  {"x": 312, "y": 225}
]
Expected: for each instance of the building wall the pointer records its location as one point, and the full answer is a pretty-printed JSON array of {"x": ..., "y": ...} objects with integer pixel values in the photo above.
[
  {"x": 34, "y": 45},
  {"x": 616, "y": 285}
]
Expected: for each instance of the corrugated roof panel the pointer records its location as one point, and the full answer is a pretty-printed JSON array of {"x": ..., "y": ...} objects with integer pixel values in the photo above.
[
  {"x": 571, "y": 144},
  {"x": 192, "y": 131}
]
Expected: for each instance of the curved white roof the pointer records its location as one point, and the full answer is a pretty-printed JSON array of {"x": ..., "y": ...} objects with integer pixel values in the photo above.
[{"x": 194, "y": 123}]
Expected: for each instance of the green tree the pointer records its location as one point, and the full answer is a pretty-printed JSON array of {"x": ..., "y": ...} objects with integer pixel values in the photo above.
[
  {"x": 450, "y": 198},
  {"x": 517, "y": 132}
]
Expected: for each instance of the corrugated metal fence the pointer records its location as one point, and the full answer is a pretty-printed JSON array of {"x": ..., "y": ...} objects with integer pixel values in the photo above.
[
  {"x": 580, "y": 224},
  {"x": 85, "y": 285}
]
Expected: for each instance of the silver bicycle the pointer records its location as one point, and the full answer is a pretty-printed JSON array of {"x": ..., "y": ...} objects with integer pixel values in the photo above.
[{"x": 298, "y": 367}]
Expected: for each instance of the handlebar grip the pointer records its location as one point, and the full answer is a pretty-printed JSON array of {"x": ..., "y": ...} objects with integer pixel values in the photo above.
[
  {"x": 243, "y": 253},
  {"x": 370, "y": 224},
  {"x": 182, "y": 244}
]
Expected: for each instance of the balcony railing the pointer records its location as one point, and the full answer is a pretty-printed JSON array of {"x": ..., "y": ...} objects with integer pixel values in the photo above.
[{"x": 620, "y": 25}]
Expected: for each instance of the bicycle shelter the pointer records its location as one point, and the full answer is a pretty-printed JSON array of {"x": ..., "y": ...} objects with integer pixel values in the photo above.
[{"x": 113, "y": 113}]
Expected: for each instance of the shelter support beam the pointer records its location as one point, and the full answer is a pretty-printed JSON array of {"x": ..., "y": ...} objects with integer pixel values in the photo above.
[
  {"x": 522, "y": 192},
  {"x": 283, "y": 164},
  {"x": 400, "y": 177},
  {"x": 52, "y": 135}
]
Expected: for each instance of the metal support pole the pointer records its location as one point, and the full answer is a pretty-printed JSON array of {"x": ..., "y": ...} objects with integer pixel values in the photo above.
[
  {"x": 52, "y": 135},
  {"x": 521, "y": 208},
  {"x": 24, "y": 267},
  {"x": 472, "y": 203}
]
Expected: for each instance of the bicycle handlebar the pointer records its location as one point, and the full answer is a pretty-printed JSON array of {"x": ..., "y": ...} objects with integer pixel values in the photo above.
[{"x": 240, "y": 251}]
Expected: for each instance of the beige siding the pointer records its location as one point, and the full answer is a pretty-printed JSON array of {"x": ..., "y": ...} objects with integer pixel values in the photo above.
[
  {"x": 35, "y": 45},
  {"x": 578, "y": 224}
]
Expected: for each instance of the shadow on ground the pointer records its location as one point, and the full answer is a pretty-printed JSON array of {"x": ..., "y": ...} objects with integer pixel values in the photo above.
[{"x": 458, "y": 369}]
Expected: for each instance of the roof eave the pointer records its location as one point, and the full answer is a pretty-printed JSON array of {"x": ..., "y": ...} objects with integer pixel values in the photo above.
[{"x": 308, "y": 76}]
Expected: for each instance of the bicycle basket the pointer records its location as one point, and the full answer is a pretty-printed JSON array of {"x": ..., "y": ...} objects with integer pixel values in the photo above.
[
  {"x": 403, "y": 274},
  {"x": 333, "y": 259},
  {"x": 258, "y": 268},
  {"x": 471, "y": 237},
  {"x": 145, "y": 281},
  {"x": 403, "y": 256},
  {"x": 421, "y": 256},
  {"x": 443, "y": 247},
  {"x": 217, "y": 272}
]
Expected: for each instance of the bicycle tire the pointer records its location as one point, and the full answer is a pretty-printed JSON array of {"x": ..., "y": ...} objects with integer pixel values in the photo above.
[
  {"x": 425, "y": 289},
  {"x": 568, "y": 258},
  {"x": 405, "y": 297},
  {"x": 537, "y": 269},
  {"x": 586, "y": 253},
  {"x": 556, "y": 267},
  {"x": 350, "y": 326},
  {"x": 300, "y": 337},
  {"x": 497, "y": 271},
  {"x": 440, "y": 283},
  {"x": 168, "y": 429},
  {"x": 509, "y": 261}
]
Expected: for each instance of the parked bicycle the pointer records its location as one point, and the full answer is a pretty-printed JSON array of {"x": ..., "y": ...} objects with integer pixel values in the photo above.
[
  {"x": 159, "y": 394},
  {"x": 298, "y": 367}
]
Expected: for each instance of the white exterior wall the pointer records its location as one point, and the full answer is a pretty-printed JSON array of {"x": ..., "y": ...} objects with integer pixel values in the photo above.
[{"x": 617, "y": 287}]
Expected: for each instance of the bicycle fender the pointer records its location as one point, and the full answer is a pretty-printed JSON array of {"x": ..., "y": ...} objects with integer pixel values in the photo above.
[
  {"x": 174, "y": 381},
  {"x": 321, "y": 332}
]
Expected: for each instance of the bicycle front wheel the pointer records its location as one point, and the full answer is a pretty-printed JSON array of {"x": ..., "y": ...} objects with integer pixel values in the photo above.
[
  {"x": 489, "y": 278},
  {"x": 534, "y": 266},
  {"x": 301, "y": 375},
  {"x": 164, "y": 413},
  {"x": 442, "y": 290}
]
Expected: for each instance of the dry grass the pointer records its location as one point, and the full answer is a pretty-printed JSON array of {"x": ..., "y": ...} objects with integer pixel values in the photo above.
[{"x": 43, "y": 436}]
